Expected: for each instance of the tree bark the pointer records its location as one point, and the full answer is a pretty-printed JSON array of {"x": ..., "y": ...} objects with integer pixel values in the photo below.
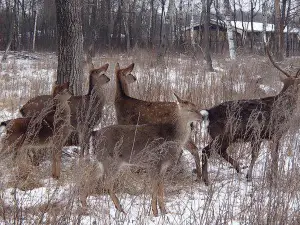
[
  {"x": 193, "y": 44},
  {"x": 70, "y": 44},
  {"x": 278, "y": 49},
  {"x": 288, "y": 29},
  {"x": 230, "y": 38},
  {"x": 170, "y": 23},
  {"x": 265, "y": 21},
  {"x": 34, "y": 26},
  {"x": 206, "y": 12}
]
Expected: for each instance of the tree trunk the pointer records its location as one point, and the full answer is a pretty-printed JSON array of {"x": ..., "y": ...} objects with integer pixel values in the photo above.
[
  {"x": 34, "y": 26},
  {"x": 230, "y": 38},
  {"x": 152, "y": 21},
  {"x": 192, "y": 25},
  {"x": 125, "y": 16},
  {"x": 70, "y": 44},
  {"x": 170, "y": 23},
  {"x": 162, "y": 34},
  {"x": 181, "y": 24},
  {"x": 251, "y": 23},
  {"x": 206, "y": 12},
  {"x": 279, "y": 54},
  {"x": 11, "y": 31},
  {"x": 288, "y": 29},
  {"x": 265, "y": 21}
]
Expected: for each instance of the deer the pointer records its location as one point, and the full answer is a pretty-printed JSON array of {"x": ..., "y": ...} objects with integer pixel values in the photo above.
[
  {"x": 251, "y": 120},
  {"x": 132, "y": 111},
  {"x": 52, "y": 131},
  {"x": 156, "y": 146},
  {"x": 86, "y": 110}
]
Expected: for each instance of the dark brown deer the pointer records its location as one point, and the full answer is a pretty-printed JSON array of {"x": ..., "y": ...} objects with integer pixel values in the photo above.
[
  {"x": 49, "y": 132},
  {"x": 86, "y": 110},
  {"x": 251, "y": 121},
  {"x": 154, "y": 146},
  {"x": 131, "y": 111}
]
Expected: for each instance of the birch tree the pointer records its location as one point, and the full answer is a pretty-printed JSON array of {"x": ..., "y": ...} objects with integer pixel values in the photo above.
[
  {"x": 191, "y": 5},
  {"x": 265, "y": 21},
  {"x": 231, "y": 44}
]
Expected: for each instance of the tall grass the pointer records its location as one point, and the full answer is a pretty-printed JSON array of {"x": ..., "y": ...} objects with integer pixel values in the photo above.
[{"x": 228, "y": 200}]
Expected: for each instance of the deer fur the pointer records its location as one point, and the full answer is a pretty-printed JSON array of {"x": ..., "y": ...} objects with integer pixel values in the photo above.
[
  {"x": 86, "y": 110},
  {"x": 160, "y": 142},
  {"x": 132, "y": 111},
  {"x": 251, "y": 120},
  {"x": 49, "y": 132}
]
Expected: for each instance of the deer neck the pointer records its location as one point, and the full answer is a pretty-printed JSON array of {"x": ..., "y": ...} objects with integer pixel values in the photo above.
[
  {"x": 182, "y": 129},
  {"x": 122, "y": 88},
  {"x": 289, "y": 91},
  {"x": 95, "y": 89},
  {"x": 288, "y": 97},
  {"x": 62, "y": 111}
]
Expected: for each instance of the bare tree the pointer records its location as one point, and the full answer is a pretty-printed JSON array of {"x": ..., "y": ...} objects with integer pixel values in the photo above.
[
  {"x": 191, "y": 5},
  {"x": 279, "y": 27},
  {"x": 206, "y": 4},
  {"x": 170, "y": 21},
  {"x": 70, "y": 44},
  {"x": 265, "y": 21},
  {"x": 230, "y": 38}
]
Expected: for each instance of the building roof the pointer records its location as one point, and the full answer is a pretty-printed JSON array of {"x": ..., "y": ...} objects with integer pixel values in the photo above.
[{"x": 246, "y": 26}]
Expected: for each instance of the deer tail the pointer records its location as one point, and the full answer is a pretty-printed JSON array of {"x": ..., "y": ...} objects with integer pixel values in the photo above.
[
  {"x": 3, "y": 127},
  {"x": 205, "y": 120},
  {"x": 22, "y": 112}
]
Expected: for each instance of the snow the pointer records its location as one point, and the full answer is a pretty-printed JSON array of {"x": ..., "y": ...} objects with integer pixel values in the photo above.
[{"x": 230, "y": 199}]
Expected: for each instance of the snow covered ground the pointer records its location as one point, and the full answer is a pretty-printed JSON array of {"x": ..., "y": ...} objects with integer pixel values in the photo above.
[{"x": 230, "y": 199}]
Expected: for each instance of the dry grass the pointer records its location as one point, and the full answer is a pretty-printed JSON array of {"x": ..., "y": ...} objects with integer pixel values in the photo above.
[{"x": 228, "y": 199}]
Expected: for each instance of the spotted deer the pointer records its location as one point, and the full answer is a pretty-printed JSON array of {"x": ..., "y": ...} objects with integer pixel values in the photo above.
[
  {"x": 49, "y": 132},
  {"x": 131, "y": 111},
  {"x": 86, "y": 110},
  {"x": 152, "y": 146},
  {"x": 251, "y": 120}
]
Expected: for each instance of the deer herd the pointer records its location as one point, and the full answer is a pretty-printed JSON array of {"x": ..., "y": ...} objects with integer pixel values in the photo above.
[{"x": 146, "y": 133}]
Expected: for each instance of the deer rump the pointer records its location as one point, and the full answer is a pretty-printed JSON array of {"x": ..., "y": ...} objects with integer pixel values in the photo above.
[{"x": 248, "y": 120}]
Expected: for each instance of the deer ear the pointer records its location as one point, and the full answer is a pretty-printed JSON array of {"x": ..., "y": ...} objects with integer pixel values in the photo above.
[
  {"x": 129, "y": 69},
  {"x": 179, "y": 100},
  {"x": 117, "y": 67},
  {"x": 105, "y": 67}
]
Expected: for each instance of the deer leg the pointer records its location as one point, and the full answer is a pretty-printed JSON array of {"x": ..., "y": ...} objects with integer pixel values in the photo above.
[
  {"x": 254, "y": 155},
  {"x": 154, "y": 197},
  {"x": 223, "y": 152},
  {"x": 275, "y": 158},
  {"x": 115, "y": 199},
  {"x": 56, "y": 162},
  {"x": 205, "y": 157},
  {"x": 161, "y": 194},
  {"x": 192, "y": 148}
]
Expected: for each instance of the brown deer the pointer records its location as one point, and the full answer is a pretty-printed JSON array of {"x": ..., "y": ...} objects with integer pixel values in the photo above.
[
  {"x": 251, "y": 120},
  {"x": 86, "y": 110},
  {"x": 132, "y": 111},
  {"x": 154, "y": 146},
  {"x": 49, "y": 132}
]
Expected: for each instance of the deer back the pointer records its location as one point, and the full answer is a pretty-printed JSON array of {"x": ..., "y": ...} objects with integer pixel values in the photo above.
[{"x": 135, "y": 111}]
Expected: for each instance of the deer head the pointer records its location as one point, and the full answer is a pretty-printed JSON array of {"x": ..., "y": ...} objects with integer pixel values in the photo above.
[
  {"x": 61, "y": 92},
  {"x": 125, "y": 74},
  {"x": 98, "y": 75},
  {"x": 188, "y": 110}
]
